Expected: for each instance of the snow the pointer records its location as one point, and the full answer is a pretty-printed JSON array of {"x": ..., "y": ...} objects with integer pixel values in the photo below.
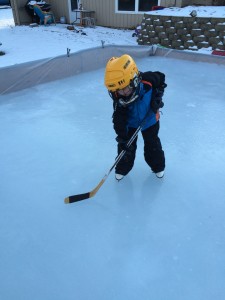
[
  {"x": 142, "y": 238},
  {"x": 24, "y": 43}
]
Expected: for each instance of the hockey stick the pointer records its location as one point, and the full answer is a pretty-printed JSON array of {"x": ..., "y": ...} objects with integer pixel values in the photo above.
[{"x": 79, "y": 197}]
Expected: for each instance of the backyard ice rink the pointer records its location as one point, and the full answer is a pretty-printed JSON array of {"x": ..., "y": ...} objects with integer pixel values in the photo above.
[{"x": 142, "y": 238}]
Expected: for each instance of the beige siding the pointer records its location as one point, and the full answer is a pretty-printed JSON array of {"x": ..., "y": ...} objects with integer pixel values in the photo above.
[
  {"x": 19, "y": 12},
  {"x": 60, "y": 8},
  {"x": 104, "y": 11},
  {"x": 106, "y": 16}
]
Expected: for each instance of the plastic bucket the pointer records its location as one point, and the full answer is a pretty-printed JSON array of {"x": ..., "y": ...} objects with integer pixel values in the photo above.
[{"x": 63, "y": 20}]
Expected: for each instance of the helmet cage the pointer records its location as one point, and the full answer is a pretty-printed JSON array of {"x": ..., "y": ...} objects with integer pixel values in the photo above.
[
  {"x": 126, "y": 100},
  {"x": 134, "y": 85}
]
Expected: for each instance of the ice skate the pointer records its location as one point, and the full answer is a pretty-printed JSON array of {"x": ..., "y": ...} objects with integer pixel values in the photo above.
[
  {"x": 119, "y": 177},
  {"x": 160, "y": 174}
]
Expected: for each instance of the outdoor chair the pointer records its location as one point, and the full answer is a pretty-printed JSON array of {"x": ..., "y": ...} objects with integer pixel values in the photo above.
[
  {"x": 45, "y": 17},
  {"x": 88, "y": 22}
]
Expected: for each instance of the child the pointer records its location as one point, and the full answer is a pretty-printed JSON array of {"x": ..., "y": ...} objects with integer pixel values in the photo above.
[{"x": 137, "y": 98}]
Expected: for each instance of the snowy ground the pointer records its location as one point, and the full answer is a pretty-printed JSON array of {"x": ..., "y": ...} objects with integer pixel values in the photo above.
[
  {"x": 23, "y": 43},
  {"x": 143, "y": 238}
]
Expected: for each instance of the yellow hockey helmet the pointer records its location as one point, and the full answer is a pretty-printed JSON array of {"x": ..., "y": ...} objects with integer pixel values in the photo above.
[{"x": 120, "y": 72}]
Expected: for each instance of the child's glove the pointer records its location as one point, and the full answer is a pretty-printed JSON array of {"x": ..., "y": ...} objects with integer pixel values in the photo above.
[
  {"x": 130, "y": 151},
  {"x": 122, "y": 143},
  {"x": 157, "y": 102}
]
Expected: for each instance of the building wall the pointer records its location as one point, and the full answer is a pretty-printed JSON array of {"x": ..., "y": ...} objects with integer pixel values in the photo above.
[
  {"x": 104, "y": 11},
  {"x": 19, "y": 12},
  {"x": 59, "y": 8},
  {"x": 106, "y": 16}
]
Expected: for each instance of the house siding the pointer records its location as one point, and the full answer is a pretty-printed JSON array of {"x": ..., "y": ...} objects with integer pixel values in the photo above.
[
  {"x": 106, "y": 16},
  {"x": 20, "y": 14},
  {"x": 60, "y": 8}
]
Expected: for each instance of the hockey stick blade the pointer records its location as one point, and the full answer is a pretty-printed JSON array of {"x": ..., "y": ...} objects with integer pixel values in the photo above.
[{"x": 80, "y": 197}]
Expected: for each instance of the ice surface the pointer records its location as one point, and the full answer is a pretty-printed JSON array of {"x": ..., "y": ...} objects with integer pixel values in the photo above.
[{"x": 142, "y": 238}]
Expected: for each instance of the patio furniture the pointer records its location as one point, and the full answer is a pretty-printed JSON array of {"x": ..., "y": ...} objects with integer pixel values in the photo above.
[
  {"x": 88, "y": 22},
  {"x": 45, "y": 17},
  {"x": 84, "y": 17},
  {"x": 30, "y": 9}
]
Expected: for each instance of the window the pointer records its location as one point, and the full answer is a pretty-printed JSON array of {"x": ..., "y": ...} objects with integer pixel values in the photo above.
[
  {"x": 74, "y": 4},
  {"x": 135, "y": 6},
  {"x": 144, "y": 5},
  {"x": 126, "y": 5}
]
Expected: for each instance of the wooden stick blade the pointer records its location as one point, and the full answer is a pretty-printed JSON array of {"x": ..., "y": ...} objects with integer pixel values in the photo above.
[
  {"x": 80, "y": 197},
  {"x": 76, "y": 198}
]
